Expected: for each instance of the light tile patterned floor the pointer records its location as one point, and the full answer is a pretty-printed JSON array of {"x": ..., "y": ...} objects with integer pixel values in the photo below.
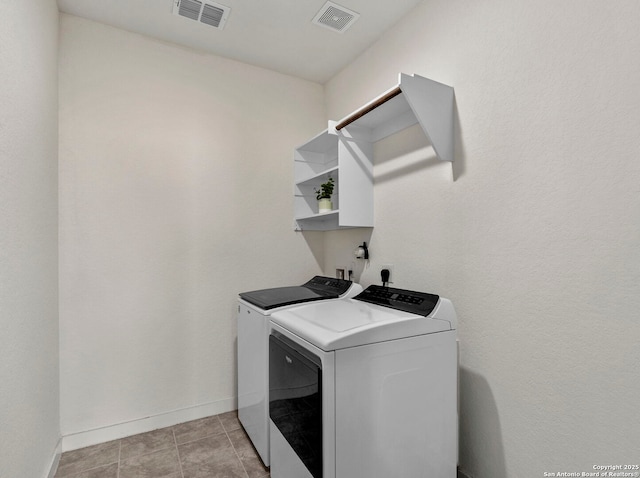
[{"x": 213, "y": 447}]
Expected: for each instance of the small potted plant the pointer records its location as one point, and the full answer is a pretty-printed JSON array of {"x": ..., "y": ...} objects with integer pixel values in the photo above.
[{"x": 323, "y": 195}]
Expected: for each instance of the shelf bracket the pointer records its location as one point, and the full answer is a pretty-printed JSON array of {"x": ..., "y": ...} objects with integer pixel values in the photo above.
[{"x": 432, "y": 104}]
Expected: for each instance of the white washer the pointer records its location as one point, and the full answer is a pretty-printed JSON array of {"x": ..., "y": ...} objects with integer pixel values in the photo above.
[
  {"x": 365, "y": 387},
  {"x": 254, "y": 310}
]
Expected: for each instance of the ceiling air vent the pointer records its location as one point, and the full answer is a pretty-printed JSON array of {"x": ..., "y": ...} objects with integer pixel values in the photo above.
[
  {"x": 335, "y": 17},
  {"x": 211, "y": 13}
]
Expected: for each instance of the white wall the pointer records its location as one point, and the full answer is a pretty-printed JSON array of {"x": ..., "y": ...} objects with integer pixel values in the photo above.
[
  {"x": 29, "y": 413},
  {"x": 533, "y": 233},
  {"x": 175, "y": 195}
]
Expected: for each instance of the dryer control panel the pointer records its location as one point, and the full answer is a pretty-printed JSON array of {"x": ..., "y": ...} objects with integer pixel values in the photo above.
[{"x": 419, "y": 303}]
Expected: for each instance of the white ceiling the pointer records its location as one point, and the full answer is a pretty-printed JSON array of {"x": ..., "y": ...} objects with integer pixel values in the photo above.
[{"x": 273, "y": 34}]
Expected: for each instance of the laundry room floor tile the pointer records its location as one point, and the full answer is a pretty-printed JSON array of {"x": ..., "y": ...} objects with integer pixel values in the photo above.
[
  {"x": 146, "y": 443},
  {"x": 84, "y": 459},
  {"x": 211, "y": 456},
  {"x": 215, "y": 446},
  {"x": 159, "y": 464},
  {"x": 196, "y": 429},
  {"x": 230, "y": 421},
  {"x": 247, "y": 454}
]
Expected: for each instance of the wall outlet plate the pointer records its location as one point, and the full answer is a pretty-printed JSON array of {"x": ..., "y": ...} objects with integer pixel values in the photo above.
[{"x": 391, "y": 269}]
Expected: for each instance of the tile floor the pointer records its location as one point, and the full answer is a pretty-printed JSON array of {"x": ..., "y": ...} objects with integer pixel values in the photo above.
[{"x": 212, "y": 447}]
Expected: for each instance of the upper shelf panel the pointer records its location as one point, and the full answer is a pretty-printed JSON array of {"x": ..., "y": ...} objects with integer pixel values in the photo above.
[{"x": 414, "y": 100}]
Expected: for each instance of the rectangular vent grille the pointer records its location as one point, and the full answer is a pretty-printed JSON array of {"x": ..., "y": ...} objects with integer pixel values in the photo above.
[
  {"x": 190, "y": 9},
  {"x": 335, "y": 17},
  {"x": 210, "y": 13}
]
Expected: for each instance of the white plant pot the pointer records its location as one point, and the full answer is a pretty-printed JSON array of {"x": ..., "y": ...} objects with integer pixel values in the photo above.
[{"x": 325, "y": 205}]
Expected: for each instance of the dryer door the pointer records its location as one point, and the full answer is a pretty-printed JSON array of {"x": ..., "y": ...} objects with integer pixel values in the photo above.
[{"x": 295, "y": 399}]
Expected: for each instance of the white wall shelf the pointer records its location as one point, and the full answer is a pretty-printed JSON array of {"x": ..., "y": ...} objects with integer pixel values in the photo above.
[
  {"x": 330, "y": 155},
  {"x": 321, "y": 177},
  {"x": 414, "y": 100},
  {"x": 345, "y": 151}
]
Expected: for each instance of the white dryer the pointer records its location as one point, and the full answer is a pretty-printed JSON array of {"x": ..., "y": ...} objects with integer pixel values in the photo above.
[
  {"x": 365, "y": 387},
  {"x": 254, "y": 310}
]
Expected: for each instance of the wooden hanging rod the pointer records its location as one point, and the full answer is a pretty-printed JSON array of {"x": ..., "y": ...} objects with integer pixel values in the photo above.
[{"x": 367, "y": 109}]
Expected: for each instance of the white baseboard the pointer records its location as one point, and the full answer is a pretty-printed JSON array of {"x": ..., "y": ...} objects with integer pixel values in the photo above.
[
  {"x": 55, "y": 459},
  {"x": 73, "y": 441}
]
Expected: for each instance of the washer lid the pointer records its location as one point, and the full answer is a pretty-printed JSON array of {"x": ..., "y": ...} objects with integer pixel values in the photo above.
[
  {"x": 339, "y": 324},
  {"x": 269, "y": 298},
  {"x": 317, "y": 288}
]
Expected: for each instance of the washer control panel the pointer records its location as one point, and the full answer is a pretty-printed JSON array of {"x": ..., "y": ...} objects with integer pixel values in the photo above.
[
  {"x": 328, "y": 285},
  {"x": 419, "y": 303}
]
